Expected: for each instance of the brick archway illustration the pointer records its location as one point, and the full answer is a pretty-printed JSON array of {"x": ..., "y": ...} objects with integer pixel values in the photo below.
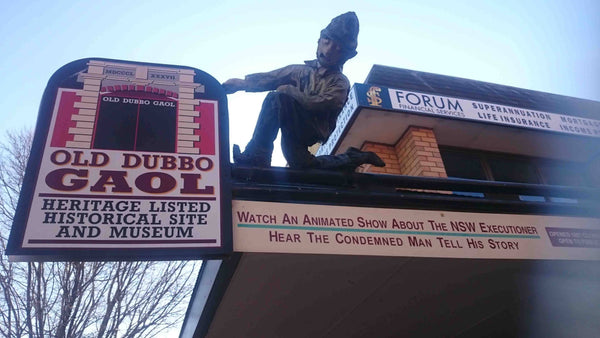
[{"x": 79, "y": 111}]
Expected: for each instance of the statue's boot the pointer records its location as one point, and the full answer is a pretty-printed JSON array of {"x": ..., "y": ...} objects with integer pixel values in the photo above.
[
  {"x": 357, "y": 158},
  {"x": 247, "y": 159}
]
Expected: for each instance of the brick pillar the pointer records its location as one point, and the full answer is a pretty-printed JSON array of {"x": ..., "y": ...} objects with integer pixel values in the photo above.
[
  {"x": 86, "y": 108},
  {"x": 187, "y": 122},
  {"x": 418, "y": 153},
  {"x": 188, "y": 115}
]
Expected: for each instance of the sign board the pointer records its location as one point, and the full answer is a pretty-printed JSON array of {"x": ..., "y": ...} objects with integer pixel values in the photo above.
[
  {"x": 377, "y": 97},
  {"x": 327, "y": 229},
  {"x": 129, "y": 161}
]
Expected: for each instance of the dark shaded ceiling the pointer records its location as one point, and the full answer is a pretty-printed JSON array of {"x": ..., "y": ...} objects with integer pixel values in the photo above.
[{"x": 292, "y": 295}]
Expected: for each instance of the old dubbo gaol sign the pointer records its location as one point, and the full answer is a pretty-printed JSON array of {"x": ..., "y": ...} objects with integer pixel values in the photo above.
[{"x": 129, "y": 161}]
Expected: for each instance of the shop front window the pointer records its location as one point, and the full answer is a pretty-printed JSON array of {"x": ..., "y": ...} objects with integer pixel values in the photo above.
[
  {"x": 480, "y": 165},
  {"x": 510, "y": 169},
  {"x": 462, "y": 164}
]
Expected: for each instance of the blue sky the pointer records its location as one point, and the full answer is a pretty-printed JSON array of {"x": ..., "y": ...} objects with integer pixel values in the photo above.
[{"x": 550, "y": 46}]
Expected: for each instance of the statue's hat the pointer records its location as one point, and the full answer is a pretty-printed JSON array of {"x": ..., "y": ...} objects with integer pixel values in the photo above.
[{"x": 343, "y": 29}]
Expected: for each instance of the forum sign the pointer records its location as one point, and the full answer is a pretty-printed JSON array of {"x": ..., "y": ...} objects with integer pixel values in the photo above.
[{"x": 129, "y": 162}]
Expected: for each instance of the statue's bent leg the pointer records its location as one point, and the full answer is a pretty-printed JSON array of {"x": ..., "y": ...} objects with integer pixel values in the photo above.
[
  {"x": 296, "y": 153},
  {"x": 298, "y": 132},
  {"x": 258, "y": 151}
]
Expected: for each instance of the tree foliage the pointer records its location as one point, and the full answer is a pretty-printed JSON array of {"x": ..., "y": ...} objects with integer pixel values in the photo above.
[{"x": 81, "y": 299}]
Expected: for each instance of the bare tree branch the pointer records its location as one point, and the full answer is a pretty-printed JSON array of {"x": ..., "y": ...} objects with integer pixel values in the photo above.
[{"x": 77, "y": 299}]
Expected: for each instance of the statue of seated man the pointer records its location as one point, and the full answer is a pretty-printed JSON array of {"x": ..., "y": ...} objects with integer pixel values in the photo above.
[{"x": 304, "y": 102}]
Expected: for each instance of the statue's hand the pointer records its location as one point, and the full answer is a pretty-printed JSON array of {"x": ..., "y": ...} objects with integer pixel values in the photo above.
[
  {"x": 287, "y": 89},
  {"x": 233, "y": 85},
  {"x": 292, "y": 91}
]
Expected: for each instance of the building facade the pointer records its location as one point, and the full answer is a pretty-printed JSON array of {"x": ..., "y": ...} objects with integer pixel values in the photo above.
[{"x": 431, "y": 125}]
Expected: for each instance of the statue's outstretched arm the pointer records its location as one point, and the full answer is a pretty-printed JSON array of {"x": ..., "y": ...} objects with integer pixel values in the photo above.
[{"x": 233, "y": 85}]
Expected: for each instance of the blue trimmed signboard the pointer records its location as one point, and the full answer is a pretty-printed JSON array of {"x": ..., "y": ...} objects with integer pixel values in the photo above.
[
  {"x": 477, "y": 111},
  {"x": 433, "y": 105}
]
